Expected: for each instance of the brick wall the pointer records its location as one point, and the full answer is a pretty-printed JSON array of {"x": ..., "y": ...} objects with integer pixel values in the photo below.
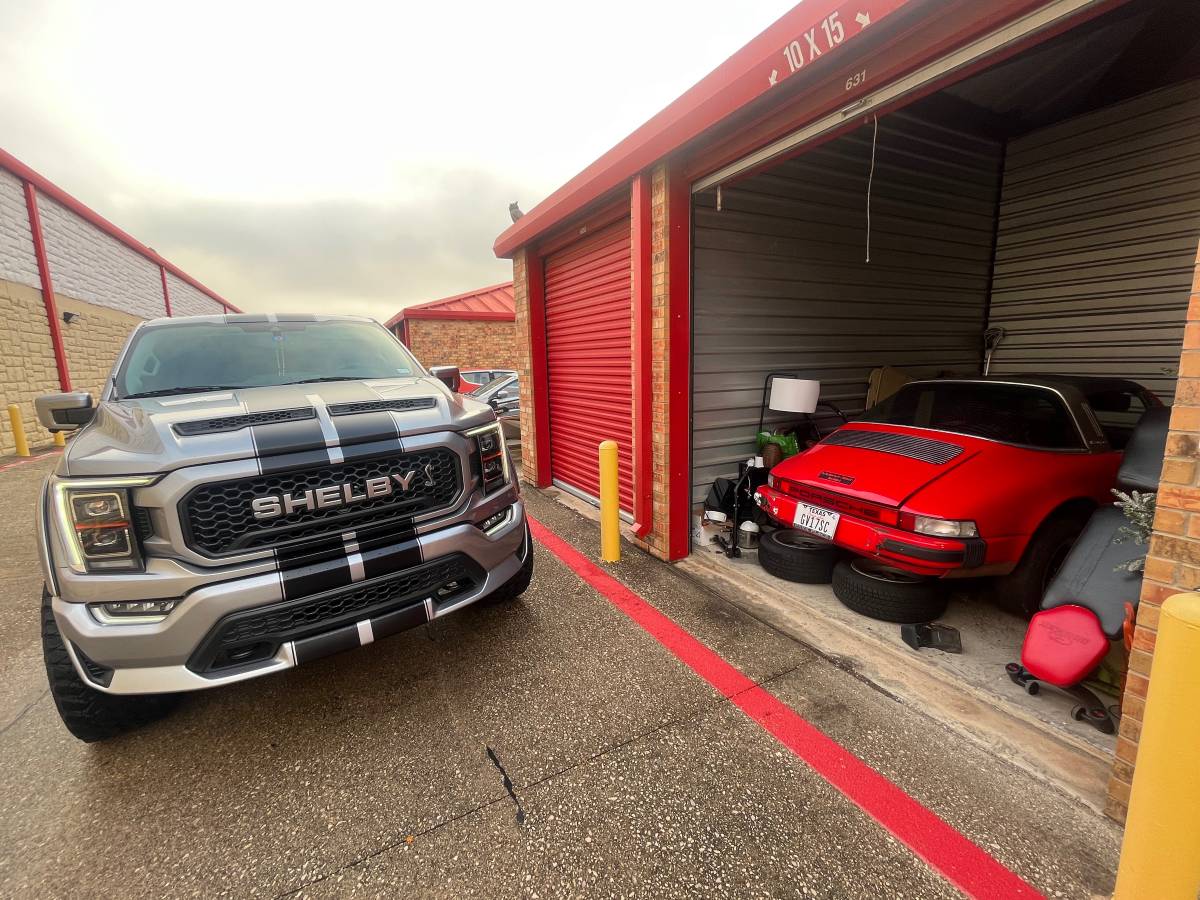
[
  {"x": 1173, "y": 561},
  {"x": 187, "y": 301},
  {"x": 522, "y": 363},
  {"x": 17, "y": 262},
  {"x": 94, "y": 267},
  {"x": 28, "y": 360},
  {"x": 466, "y": 344},
  {"x": 656, "y": 540}
]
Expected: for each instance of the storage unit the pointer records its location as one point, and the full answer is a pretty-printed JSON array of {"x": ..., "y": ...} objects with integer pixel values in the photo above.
[
  {"x": 589, "y": 359},
  {"x": 1016, "y": 164}
]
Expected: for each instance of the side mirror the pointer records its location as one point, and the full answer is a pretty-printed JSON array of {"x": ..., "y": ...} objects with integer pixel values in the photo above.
[
  {"x": 65, "y": 412},
  {"x": 503, "y": 395},
  {"x": 447, "y": 375}
]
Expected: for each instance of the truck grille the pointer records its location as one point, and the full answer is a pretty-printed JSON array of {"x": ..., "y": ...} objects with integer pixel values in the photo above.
[
  {"x": 218, "y": 520},
  {"x": 258, "y": 633}
]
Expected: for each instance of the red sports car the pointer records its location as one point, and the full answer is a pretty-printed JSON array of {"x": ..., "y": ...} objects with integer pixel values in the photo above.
[{"x": 965, "y": 477}]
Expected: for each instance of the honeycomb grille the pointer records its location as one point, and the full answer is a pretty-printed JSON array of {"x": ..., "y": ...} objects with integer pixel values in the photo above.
[
  {"x": 218, "y": 519},
  {"x": 317, "y": 614},
  {"x": 364, "y": 406},
  {"x": 236, "y": 423}
]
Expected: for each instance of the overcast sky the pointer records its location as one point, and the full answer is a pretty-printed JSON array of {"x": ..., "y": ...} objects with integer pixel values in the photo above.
[{"x": 341, "y": 156}]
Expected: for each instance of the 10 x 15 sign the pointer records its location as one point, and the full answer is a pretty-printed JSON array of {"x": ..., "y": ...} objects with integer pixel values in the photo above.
[{"x": 828, "y": 33}]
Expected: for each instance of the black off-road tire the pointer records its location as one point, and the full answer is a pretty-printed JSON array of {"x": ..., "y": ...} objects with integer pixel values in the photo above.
[
  {"x": 89, "y": 714},
  {"x": 519, "y": 583},
  {"x": 1023, "y": 589},
  {"x": 795, "y": 556},
  {"x": 882, "y": 592}
]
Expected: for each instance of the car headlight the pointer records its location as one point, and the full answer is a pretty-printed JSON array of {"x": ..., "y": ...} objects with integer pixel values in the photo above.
[
  {"x": 950, "y": 528},
  {"x": 491, "y": 458},
  {"x": 95, "y": 519}
]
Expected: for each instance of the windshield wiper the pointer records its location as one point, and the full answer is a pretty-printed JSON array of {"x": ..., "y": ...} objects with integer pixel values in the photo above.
[
  {"x": 328, "y": 378},
  {"x": 188, "y": 389}
]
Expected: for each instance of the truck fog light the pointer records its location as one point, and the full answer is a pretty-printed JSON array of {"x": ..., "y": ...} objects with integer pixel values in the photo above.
[
  {"x": 495, "y": 520},
  {"x": 132, "y": 610},
  {"x": 944, "y": 527}
]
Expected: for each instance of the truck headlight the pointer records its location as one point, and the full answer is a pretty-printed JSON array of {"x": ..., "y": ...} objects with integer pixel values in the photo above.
[
  {"x": 950, "y": 528},
  {"x": 95, "y": 520},
  {"x": 491, "y": 457}
]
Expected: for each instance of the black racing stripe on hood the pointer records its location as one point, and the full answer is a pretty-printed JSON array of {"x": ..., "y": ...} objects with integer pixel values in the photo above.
[
  {"x": 365, "y": 428},
  {"x": 284, "y": 438}
]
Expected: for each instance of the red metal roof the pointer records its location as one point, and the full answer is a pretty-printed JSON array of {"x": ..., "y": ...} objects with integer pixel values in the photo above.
[
  {"x": 747, "y": 75},
  {"x": 489, "y": 304}
]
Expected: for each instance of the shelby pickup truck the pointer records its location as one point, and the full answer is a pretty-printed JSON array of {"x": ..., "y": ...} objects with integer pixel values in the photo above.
[{"x": 252, "y": 492}]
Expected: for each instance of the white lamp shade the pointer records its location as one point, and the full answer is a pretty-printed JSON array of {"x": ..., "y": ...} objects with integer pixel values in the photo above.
[{"x": 794, "y": 395}]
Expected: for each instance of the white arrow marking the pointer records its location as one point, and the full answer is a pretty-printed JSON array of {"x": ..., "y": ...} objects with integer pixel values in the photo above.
[
  {"x": 863, "y": 19},
  {"x": 773, "y": 77}
]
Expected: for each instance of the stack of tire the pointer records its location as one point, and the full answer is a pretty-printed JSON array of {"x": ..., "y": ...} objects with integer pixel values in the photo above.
[{"x": 866, "y": 586}]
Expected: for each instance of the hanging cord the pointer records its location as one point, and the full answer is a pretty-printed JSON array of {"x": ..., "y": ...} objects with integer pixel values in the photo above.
[{"x": 870, "y": 179}]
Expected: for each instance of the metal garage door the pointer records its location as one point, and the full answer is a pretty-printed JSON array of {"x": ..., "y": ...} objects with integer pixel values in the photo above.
[
  {"x": 1096, "y": 247},
  {"x": 590, "y": 360},
  {"x": 781, "y": 282}
]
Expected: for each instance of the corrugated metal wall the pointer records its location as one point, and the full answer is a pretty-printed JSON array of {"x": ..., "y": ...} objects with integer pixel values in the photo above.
[
  {"x": 1099, "y": 222},
  {"x": 590, "y": 360},
  {"x": 781, "y": 282}
]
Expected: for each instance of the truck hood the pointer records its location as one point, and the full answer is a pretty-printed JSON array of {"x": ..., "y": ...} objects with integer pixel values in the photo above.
[
  {"x": 880, "y": 463},
  {"x": 154, "y": 435}
]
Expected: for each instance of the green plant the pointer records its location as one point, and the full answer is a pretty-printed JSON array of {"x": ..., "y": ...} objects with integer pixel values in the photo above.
[{"x": 1139, "y": 510}]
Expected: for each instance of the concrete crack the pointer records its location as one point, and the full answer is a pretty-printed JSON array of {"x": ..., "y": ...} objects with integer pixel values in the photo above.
[{"x": 508, "y": 785}]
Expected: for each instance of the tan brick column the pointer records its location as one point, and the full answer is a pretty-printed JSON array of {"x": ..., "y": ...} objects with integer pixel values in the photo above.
[
  {"x": 1173, "y": 563},
  {"x": 523, "y": 367}
]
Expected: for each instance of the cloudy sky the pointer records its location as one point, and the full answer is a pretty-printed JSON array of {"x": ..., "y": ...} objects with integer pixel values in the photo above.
[{"x": 344, "y": 155}]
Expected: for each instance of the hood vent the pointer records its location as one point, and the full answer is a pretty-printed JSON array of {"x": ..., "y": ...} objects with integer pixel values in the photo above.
[
  {"x": 236, "y": 423},
  {"x": 366, "y": 406},
  {"x": 936, "y": 452}
]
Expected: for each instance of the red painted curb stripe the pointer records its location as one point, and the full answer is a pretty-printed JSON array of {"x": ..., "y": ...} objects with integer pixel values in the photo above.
[
  {"x": 28, "y": 459},
  {"x": 940, "y": 845}
]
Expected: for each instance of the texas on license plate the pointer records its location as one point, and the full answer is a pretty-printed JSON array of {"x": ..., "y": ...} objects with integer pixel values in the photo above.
[{"x": 816, "y": 520}]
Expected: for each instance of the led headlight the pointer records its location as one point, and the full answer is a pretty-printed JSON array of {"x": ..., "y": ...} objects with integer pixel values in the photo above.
[
  {"x": 94, "y": 518},
  {"x": 944, "y": 527},
  {"x": 130, "y": 612},
  {"x": 491, "y": 457}
]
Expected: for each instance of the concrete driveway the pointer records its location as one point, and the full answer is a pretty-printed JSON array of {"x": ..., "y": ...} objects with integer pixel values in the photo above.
[{"x": 553, "y": 747}]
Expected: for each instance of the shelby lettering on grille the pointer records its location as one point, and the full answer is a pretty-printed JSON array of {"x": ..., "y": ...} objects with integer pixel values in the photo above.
[{"x": 223, "y": 518}]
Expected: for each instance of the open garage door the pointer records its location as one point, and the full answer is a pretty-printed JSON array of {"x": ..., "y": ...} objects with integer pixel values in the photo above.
[
  {"x": 1097, "y": 241},
  {"x": 588, "y": 334}
]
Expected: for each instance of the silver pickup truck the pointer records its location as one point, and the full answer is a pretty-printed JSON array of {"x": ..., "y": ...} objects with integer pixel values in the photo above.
[{"x": 252, "y": 492}]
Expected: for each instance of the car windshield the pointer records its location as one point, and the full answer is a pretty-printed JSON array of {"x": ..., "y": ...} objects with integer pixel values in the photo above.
[
  {"x": 183, "y": 357},
  {"x": 1015, "y": 414}
]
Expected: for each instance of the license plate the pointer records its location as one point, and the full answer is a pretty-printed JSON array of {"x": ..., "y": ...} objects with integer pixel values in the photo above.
[{"x": 815, "y": 520}]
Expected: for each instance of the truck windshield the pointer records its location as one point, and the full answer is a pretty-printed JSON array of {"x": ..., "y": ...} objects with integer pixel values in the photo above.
[
  {"x": 183, "y": 357},
  {"x": 1030, "y": 416}
]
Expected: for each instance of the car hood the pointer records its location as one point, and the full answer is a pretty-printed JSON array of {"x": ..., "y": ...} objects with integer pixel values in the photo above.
[
  {"x": 144, "y": 437},
  {"x": 880, "y": 463}
]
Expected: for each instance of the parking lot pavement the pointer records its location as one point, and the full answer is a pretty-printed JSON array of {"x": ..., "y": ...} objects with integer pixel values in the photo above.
[{"x": 388, "y": 769}]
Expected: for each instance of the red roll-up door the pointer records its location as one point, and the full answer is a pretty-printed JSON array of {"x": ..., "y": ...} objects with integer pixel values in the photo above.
[{"x": 590, "y": 359}]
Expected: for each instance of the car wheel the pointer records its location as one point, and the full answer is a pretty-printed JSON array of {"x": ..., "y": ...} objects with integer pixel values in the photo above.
[
  {"x": 89, "y": 714},
  {"x": 884, "y": 592},
  {"x": 519, "y": 583},
  {"x": 1024, "y": 587},
  {"x": 796, "y": 556}
]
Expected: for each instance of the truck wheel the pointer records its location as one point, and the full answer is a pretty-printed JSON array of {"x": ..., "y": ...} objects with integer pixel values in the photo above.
[
  {"x": 886, "y": 593},
  {"x": 89, "y": 714},
  {"x": 1023, "y": 588},
  {"x": 515, "y": 586},
  {"x": 795, "y": 556}
]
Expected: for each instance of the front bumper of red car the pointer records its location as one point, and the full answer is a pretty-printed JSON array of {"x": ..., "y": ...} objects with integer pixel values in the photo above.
[{"x": 917, "y": 553}]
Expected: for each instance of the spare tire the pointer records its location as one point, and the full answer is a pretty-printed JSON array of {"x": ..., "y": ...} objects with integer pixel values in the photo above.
[
  {"x": 884, "y": 592},
  {"x": 796, "y": 556}
]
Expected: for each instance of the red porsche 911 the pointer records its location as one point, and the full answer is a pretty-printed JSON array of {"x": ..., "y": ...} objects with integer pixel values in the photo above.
[{"x": 961, "y": 478}]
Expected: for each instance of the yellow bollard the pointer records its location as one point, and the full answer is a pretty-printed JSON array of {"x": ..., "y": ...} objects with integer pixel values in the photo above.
[
  {"x": 18, "y": 429},
  {"x": 1160, "y": 856},
  {"x": 60, "y": 439},
  {"x": 610, "y": 504}
]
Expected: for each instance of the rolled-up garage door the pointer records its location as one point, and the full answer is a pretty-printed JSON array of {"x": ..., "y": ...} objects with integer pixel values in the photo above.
[{"x": 589, "y": 356}]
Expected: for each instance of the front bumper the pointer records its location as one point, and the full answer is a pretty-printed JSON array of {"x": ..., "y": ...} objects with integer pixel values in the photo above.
[
  {"x": 183, "y": 652},
  {"x": 917, "y": 553}
]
